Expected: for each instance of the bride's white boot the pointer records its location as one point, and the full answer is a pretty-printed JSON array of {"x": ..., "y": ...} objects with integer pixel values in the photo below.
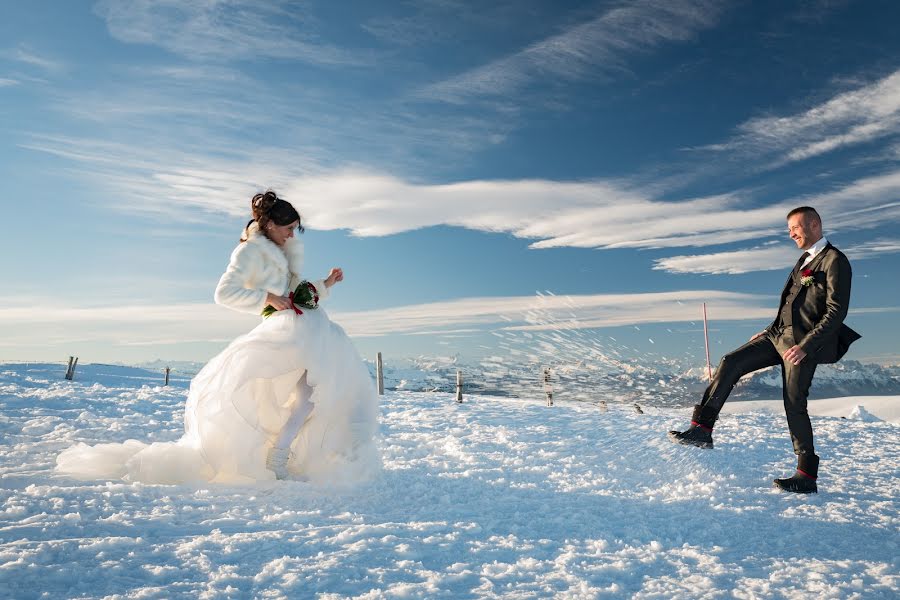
[{"x": 277, "y": 460}]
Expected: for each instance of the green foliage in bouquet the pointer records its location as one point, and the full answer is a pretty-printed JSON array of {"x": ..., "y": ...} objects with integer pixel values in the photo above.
[{"x": 305, "y": 296}]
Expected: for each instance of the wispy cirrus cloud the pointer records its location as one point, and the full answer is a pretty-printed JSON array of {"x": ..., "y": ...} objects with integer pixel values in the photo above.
[
  {"x": 874, "y": 249},
  {"x": 197, "y": 111},
  {"x": 161, "y": 181},
  {"x": 863, "y": 204},
  {"x": 61, "y": 327},
  {"x": 198, "y": 29},
  {"x": 762, "y": 258},
  {"x": 597, "y": 48},
  {"x": 594, "y": 214},
  {"x": 25, "y": 61},
  {"x": 588, "y": 214},
  {"x": 549, "y": 312},
  {"x": 867, "y": 113},
  {"x": 591, "y": 214},
  {"x": 771, "y": 257},
  {"x": 167, "y": 324},
  {"x": 39, "y": 327},
  {"x": 25, "y": 55},
  {"x": 158, "y": 181}
]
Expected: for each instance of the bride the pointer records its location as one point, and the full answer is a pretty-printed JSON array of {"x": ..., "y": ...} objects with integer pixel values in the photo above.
[{"x": 290, "y": 399}]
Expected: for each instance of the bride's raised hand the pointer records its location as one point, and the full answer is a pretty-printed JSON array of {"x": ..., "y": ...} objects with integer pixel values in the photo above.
[
  {"x": 278, "y": 302},
  {"x": 334, "y": 277}
]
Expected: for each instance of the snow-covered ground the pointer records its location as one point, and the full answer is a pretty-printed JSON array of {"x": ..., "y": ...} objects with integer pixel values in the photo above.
[
  {"x": 491, "y": 498},
  {"x": 871, "y": 408}
]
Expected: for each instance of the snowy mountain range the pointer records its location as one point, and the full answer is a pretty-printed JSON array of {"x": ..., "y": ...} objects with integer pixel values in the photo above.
[
  {"x": 657, "y": 384},
  {"x": 661, "y": 383}
]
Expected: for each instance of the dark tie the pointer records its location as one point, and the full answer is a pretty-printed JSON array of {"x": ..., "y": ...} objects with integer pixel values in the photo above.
[{"x": 800, "y": 262}]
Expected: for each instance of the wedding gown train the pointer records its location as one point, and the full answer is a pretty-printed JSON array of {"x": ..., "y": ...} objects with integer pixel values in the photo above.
[{"x": 239, "y": 402}]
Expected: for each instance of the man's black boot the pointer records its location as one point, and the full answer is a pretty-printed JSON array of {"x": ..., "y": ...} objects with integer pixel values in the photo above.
[
  {"x": 804, "y": 480},
  {"x": 700, "y": 432}
]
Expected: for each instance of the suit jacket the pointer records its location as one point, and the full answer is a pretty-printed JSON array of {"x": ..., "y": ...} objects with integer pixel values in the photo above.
[{"x": 818, "y": 310}]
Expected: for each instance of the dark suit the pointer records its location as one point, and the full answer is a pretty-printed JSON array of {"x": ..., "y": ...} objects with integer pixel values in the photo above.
[{"x": 811, "y": 316}]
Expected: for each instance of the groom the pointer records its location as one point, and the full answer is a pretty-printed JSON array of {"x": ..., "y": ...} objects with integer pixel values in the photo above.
[{"x": 808, "y": 330}]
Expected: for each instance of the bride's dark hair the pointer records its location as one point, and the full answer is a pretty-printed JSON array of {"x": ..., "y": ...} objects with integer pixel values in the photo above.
[{"x": 269, "y": 208}]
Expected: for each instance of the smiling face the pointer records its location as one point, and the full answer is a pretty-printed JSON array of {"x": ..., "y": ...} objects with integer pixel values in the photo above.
[
  {"x": 805, "y": 230},
  {"x": 281, "y": 233}
]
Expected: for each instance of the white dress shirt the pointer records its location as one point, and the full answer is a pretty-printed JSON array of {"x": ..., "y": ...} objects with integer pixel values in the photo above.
[{"x": 814, "y": 250}]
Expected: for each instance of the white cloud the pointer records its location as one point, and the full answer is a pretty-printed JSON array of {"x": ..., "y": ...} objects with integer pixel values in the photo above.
[
  {"x": 4, "y": 82},
  {"x": 47, "y": 324},
  {"x": 550, "y": 312},
  {"x": 865, "y": 203},
  {"x": 582, "y": 214},
  {"x": 874, "y": 248},
  {"x": 202, "y": 115},
  {"x": 200, "y": 29},
  {"x": 596, "y": 48},
  {"x": 28, "y": 57},
  {"x": 180, "y": 182},
  {"x": 765, "y": 258},
  {"x": 588, "y": 214},
  {"x": 867, "y": 113},
  {"x": 592, "y": 214}
]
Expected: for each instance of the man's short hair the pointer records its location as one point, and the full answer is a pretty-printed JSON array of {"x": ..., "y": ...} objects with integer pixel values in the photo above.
[{"x": 808, "y": 211}]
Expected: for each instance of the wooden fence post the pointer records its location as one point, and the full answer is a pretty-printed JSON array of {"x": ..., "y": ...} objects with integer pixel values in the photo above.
[
  {"x": 70, "y": 372},
  {"x": 379, "y": 374},
  {"x": 459, "y": 385},
  {"x": 548, "y": 386},
  {"x": 167, "y": 376}
]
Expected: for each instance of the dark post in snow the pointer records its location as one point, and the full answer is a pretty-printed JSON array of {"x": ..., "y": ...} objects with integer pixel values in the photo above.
[
  {"x": 70, "y": 371},
  {"x": 459, "y": 382},
  {"x": 548, "y": 386},
  {"x": 379, "y": 374},
  {"x": 167, "y": 376}
]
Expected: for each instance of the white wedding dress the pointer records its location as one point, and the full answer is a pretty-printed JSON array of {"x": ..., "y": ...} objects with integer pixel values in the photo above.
[{"x": 240, "y": 401}]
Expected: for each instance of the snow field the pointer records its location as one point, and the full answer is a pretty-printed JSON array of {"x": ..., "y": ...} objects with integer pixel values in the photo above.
[{"x": 490, "y": 498}]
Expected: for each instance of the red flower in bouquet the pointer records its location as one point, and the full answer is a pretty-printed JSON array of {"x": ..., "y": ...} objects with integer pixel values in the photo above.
[
  {"x": 807, "y": 278},
  {"x": 305, "y": 296}
]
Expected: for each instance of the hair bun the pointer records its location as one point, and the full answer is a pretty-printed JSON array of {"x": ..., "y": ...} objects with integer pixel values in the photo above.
[{"x": 261, "y": 204}]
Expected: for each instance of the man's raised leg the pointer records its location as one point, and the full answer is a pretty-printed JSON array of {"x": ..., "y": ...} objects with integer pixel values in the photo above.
[{"x": 752, "y": 356}]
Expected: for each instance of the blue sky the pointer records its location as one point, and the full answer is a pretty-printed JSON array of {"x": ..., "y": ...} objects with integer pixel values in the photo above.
[{"x": 633, "y": 159}]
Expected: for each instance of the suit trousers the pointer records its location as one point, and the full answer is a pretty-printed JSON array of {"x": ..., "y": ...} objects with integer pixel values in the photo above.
[{"x": 765, "y": 351}]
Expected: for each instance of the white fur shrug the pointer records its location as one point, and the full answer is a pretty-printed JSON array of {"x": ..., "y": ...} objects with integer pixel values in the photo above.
[{"x": 259, "y": 266}]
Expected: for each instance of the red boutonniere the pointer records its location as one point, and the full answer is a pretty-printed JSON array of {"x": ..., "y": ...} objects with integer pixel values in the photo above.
[{"x": 807, "y": 278}]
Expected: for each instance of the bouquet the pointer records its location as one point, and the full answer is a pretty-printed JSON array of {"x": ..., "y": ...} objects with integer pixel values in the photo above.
[{"x": 305, "y": 296}]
